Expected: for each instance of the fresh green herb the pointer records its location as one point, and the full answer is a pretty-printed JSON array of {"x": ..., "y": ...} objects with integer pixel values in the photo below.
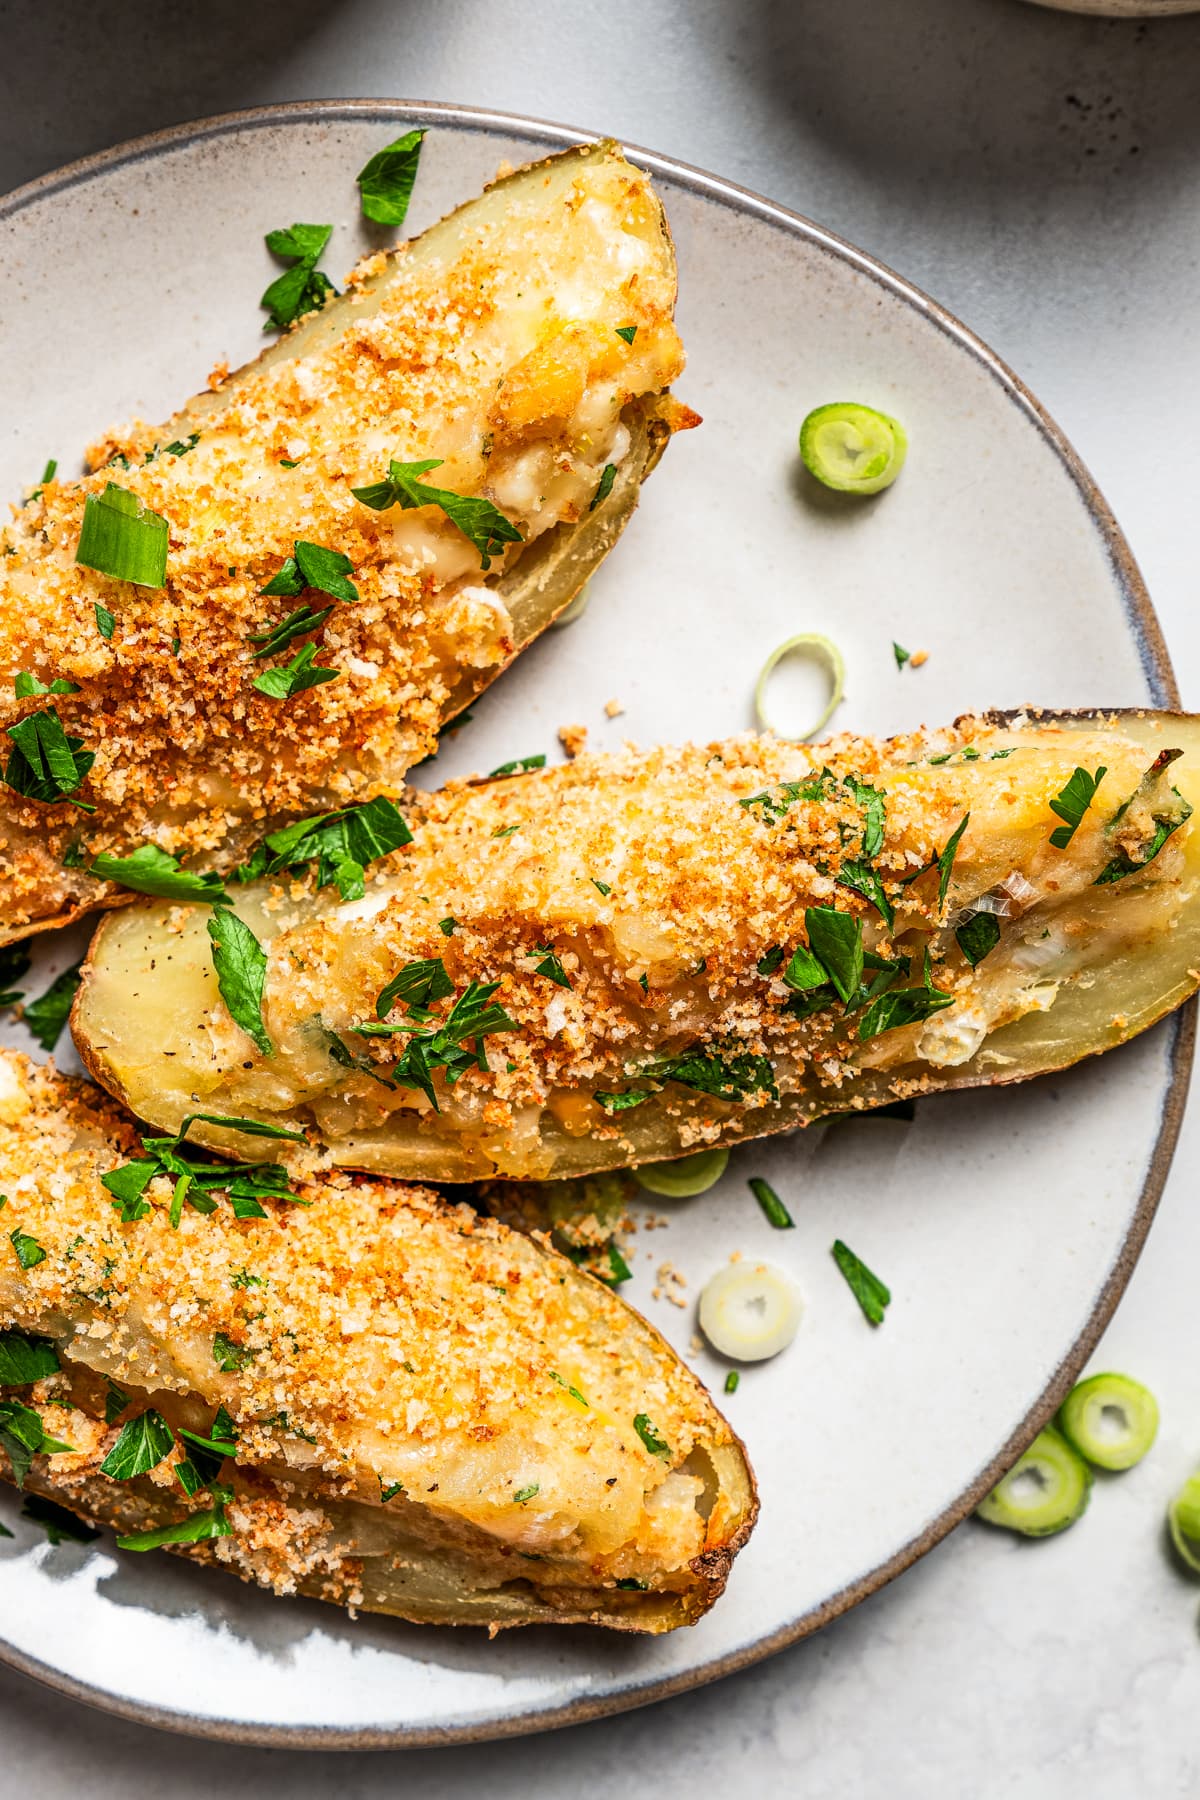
[
  {"x": 835, "y": 939},
  {"x": 725, "y": 1073},
  {"x": 143, "y": 1443},
  {"x": 123, "y": 538},
  {"x": 241, "y": 966},
  {"x": 385, "y": 185},
  {"x": 150, "y": 870},
  {"x": 1168, "y": 813},
  {"x": 313, "y": 566},
  {"x": 234, "y": 1122},
  {"x": 770, "y": 960},
  {"x": 115, "y": 1402},
  {"x": 288, "y": 462},
  {"x": 1072, "y": 802},
  {"x": 447, "y": 926},
  {"x": 340, "y": 843},
  {"x": 874, "y": 806},
  {"x": 506, "y": 831},
  {"x": 59, "y": 1525},
  {"x": 433, "y": 1046},
  {"x": 607, "y": 476},
  {"x": 904, "y": 1006},
  {"x": 656, "y": 1445},
  {"x": 872, "y": 1296},
  {"x": 521, "y": 766},
  {"x": 631, "y": 1584},
  {"x": 418, "y": 984},
  {"x": 977, "y": 936},
  {"x": 27, "y": 686},
  {"x": 390, "y": 1492},
  {"x": 602, "y": 887},
  {"x": 776, "y": 805},
  {"x": 622, "y": 1102},
  {"x": 230, "y": 1357},
  {"x": 902, "y": 656},
  {"x": 294, "y": 677},
  {"x": 48, "y": 474},
  {"x": 863, "y": 879},
  {"x": 106, "y": 624},
  {"x": 25, "y": 1359},
  {"x": 45, "y": 763},
  {"x": 936, "y": 761},
  {"x": 573, "y": 1391},
  {"x": 945, "y": 862},
  {"x": 14, "y": 962},
  {"x": 775, "y": 1212},
  {"x": 194, "y": 1530},
  {"x": 476, "y": 518},
  {"x": 45, "y": 1017},
  {"x": 275, "y": 638},
  {"x": 23, "y": 1436},
  {"x": 628, "y": 332},
  {"x": 731, "y": 1381},
  {"x": 303, "y": 287},
  {"x": 551, "y": 966},
  {"x": 852, "y": 448},
  {"x": 804, "y": 972},
  {"x": 181, "y": 446},
  {"x": 619, "y": 1269},
  {"x": 526, "y": 1493}
]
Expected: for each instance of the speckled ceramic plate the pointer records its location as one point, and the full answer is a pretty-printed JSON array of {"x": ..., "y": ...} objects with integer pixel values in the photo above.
[{"x": 1006, "y": 1223}]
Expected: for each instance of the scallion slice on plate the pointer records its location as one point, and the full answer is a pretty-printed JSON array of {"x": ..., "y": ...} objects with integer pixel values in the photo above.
[
  {"x": 819, "y": 648},
  {"x": 1183, "y": 1518},
  {"x": 124, "y": 538},
  {"x": 852, "y": 448},
  {"x": 685, "y": 1176},
  {"x": 1110, "y": 1419},
  {"x": 749, "y": 1311},
  {"x": 1044, "y": 1492}
]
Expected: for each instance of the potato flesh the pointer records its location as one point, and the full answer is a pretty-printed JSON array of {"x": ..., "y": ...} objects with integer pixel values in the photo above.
[
  {"x": 694, "y": 875},
  {"x": 490, "y": 343},
  {"x": 382, "y": 1338}
]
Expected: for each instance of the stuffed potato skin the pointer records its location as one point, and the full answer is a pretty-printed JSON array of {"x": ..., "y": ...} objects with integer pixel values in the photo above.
[
  {"x": 435, "y": 1417},
  {"x": 489, "y": 343},
  {"x": 643, "y": 910}
]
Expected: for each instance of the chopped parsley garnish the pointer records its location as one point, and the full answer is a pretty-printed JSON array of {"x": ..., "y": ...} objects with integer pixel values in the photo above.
[
  {"x": 945, "y": 862},
  {"x": 287, "y": 679},
  {"x": 774, "y": 1211},
  {"x": 601, "y": 887},
  {"x": 246, "y": 1184},
  {"x": 340, "y": 843},
  {"x": 418, "y": 984},
  {"x": 23, "y": 1436},
  {"x": 14, "y": 962},
  {"x": 521, "y": 766},
  {"x": 551, "y": 965},
  {"x": 607, "y": 476},
  {"x": 447, "y": 926},
  {"x": 619, "y": 1269},
  {"x": 506, "y": 831},
  {"x": 115, "y": 1402},
  {"x": 142, "y": 1445},
  {"x": 230, "y": 1357},
  {"x": 46, "y": 1016},
  {"x": 622, "y": 1102},
  {"x": 150, "y": 870},
  {"x": 573, "y": 1391},
  {"x": 123, "y": 538},
  {"x": 453, "y": 1045},
  {"x": 862, "y": 878},
  {"x": 313, "y": 566},
  {"x": 27, "y": 686},
  {"x": 303, "y": 287},
  {"x": 389, "y": 1492},
  {"x": 731, "y": 1381},
  {"x": 874, "y": 806},
  {"x": 724, "y": 1072},
  {"x": 241, "y": 967},
  {"x": 385, "y": 184},
  {"x": 1072, "y": 802},
  {"x": 194, "y": 1530},
  {"x": 25, "y": 1359},
  {"x": 835, "y": 939},
  {"x": 45, "y": 763},
  {"x": 770, "y": 960},
  {"x": 59, "y": 1525},
  {"x": 977, "y": 936},
  {"x": 804, "y": 972},
  {"x": 526, "y": 1493},
  {"x": 106, "y": 624},
  {"x": 181, "y": 446},
  {"x": 902, "y": 1006},
  {"x": 628, "y": 332},
  {"x": 478, "y": 520},
  {"x": 901, "y": 655},
  {"x": 656, "y": 1445},
  {"x": 1171, "y": 812},
  {"x": 872, "y": 1296},
  {"x": 274, "y": 638}
]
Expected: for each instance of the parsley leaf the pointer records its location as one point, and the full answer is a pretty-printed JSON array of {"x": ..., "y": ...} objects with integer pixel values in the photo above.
[
  {"x": 274, "y": 638},
  {"x": 385, "y": 184},
  {"x": 628, "y": 332},
  {"x": 241, "y": 965},
  {"x": 1072, "y": 802},
  {"x": 477, "y": 519},
  {"x": 863, "y": 879},
  {"x": 520, "y": 766},
  {"x": 804, "y": 972},
  {"x": 872, "y": 1296},
  {"x": 1169, "y": 812},
  {"x": 115, "y": 1402},
  {"x": 141, "y": 1446},
  {"x": 106, "y": 624},
  {"x": 622, "y": 1102},
  {"x": 601, "y": 887},
  {"x": 656, "y": 1445},
  {"x": 605, "y": 487},
  {"x": 25, "y": 1359},
  {"x": 418, "y": 984},
  {"x": 314, "y": 566},
  {"x": 340, "y": 843},
  {"x": 27, "y": 686},
  {"x": 977, "y": 936},
  {"x": 945, "y": 862},
  {"x": 724, "y": 1073},
  {"x": 29, "y": 1251},
  {"x": 45, "y": 763},
  {"x": 835, "y": 939},
  {"x": 901, "y": 655},
  {"x": 22, "y": 1437},
  {"x": 194, "y": 1530},
  {"x": 287, "y": 679},
  {"x": 46, "y": 1016},
  {"x": 770, "y": 960},
  {"x": 903, "y": 1006},
  {"x": 304, "y": 287},
  {"x": 150, "y": 870},
  {"x": 230, "y": 1357},
  {"x": 874, "y": 805},
  {"x": 551, "y": 965},
  {"x": 443, "y": 1045},
  {"x": 526, "y": 1493}
]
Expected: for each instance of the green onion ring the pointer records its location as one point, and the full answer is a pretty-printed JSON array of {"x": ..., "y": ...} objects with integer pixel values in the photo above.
[{"x": 821, "y": 649}]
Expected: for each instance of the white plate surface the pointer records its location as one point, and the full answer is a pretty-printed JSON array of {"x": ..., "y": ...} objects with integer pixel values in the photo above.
[{"x": 1006, "y": 1223}]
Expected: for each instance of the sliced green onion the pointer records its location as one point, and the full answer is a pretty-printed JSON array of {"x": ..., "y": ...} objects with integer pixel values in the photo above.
[
  {"x": 821, "y": 649},
  {"x": 852, "y": 448},
  {"x": 123, "y": 538},
  {"x": 684, "y": 1176},
  {"x": 1046, "y": 1490},
  {"x": 1110, "y": 1419},
  {"x": 574, "y": 609},
  {"x": 1183, "y": 1518},
  {"x": 749, "y": 1311},
  {"x": 775, "y": 1211}
]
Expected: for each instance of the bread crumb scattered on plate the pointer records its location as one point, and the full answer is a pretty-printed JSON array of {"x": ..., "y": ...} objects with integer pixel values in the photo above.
[
  {"x": 613, "y": 709},
  {"x": 573, "y": 738},
  {"x": 917, "y": 658}
]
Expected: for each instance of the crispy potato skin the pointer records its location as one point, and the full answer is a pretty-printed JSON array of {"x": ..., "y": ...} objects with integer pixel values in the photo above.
[
  {"x": 407, "y": 364},
  {"x": 374, "y": 1338},
  {"x": 671, "y": 896}
]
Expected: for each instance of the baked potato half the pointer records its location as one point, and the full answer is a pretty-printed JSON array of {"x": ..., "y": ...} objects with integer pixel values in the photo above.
[
  {"x": 393, "y": 1403},
  {"x": 514, "y": 357},
  {"x": 625, "y": 958}
]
